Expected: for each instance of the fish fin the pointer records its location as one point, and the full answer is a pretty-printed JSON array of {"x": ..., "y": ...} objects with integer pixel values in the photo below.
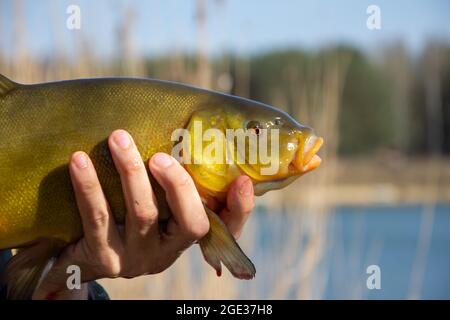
[
  {"x": 23, "y": 271},
  {"x": 219, "y": 246},
  {"x": 6, "y": 85}
]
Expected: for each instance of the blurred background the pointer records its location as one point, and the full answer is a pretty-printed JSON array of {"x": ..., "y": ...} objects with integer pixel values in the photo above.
[{"x": 379, "y": 97}]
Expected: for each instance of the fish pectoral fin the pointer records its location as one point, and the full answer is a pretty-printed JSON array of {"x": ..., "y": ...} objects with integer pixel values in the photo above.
[
  {"x": 219, "y": 246},
  {"x": 23, "y": 271}
]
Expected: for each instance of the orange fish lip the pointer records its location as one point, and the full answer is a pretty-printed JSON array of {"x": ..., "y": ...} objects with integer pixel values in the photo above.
[{"x": 306, "y": 158}]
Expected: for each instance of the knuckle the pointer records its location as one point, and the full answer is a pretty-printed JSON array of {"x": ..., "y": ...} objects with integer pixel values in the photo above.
[
  {"x": 111, "y": 266},
  {"x": 98, "y": 218},
  {"x": 131, "y": 166},
  {"x": 183, "y": 181},
  {"x": 88, "y": 187},
  {"x": 196, "y": 231},
  {"x": 145, "y": 214}
]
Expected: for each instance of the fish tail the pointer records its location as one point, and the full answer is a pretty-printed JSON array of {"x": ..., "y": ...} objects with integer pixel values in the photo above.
[
  {"x": 219, "y": 246},
  {"x": 24, "y": 270}
]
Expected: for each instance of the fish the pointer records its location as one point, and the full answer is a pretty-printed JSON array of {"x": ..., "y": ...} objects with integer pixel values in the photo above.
[{"x": 41, "y": 125}]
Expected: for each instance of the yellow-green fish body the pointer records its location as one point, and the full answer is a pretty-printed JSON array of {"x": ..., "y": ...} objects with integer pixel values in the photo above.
[{"x": 42, "y": 125}]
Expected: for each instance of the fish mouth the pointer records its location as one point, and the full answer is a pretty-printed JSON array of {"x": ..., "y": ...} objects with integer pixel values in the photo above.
[{"x": 306, "y": 158}]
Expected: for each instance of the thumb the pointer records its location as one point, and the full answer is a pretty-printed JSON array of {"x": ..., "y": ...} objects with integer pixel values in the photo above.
[{"x": 62, "y": 279}]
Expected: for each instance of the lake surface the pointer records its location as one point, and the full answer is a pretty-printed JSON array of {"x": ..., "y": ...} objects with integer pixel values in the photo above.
[
  {"x": 357, "y": 238},
  {"x": 392, "y": 236}
]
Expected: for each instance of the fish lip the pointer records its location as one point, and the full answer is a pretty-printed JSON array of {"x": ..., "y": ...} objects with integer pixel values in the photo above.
[{"x": 306, "y": 158}]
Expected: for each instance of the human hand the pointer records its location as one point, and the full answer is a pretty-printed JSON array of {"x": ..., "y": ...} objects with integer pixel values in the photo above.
[{"x": 141, "y": 246}]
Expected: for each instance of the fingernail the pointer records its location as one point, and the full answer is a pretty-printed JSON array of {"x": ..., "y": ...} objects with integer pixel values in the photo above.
[
  {"x": 80, "y": 160},
  {"x": 162, "y": 160},
  {"x": 122, "y": 139},
  {"x": 246, "y": 188}
]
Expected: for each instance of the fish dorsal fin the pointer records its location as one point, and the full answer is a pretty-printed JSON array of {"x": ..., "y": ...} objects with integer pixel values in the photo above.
[{"x": 6, "y": 85}]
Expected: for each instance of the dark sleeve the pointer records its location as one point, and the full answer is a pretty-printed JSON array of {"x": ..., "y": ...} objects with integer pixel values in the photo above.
[
  {"x": 95, "y": 291},
  {"x": 5, "y": 255}
]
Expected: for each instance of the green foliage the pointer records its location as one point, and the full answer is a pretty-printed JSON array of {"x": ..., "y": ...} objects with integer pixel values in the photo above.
[
  {"x": 365, "y": 116},
  {"x": 366, "y": 119}
]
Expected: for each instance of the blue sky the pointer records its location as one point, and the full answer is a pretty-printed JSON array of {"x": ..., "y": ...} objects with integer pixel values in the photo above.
[{"x": 242, "y": 26}]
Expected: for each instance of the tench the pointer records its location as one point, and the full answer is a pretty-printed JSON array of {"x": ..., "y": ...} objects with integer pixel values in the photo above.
[{"x": 41, "y": 125}]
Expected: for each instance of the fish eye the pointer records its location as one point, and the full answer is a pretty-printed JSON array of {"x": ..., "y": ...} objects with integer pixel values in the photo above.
[
  {"x": 254, "y": 126},
  {"x": 278, "y": 122}
]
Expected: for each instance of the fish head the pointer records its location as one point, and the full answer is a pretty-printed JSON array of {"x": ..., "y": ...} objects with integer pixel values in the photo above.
[{"x": 247, "y": 137}]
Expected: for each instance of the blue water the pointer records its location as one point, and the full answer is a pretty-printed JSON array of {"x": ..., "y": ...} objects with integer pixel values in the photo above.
[
  {"x": 356, "y": 238},
  {"x": 391, "y": 234}
]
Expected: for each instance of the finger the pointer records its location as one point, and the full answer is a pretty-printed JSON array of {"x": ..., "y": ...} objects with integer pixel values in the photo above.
[
  {"x": 100, "y": 234},
  {"x": 98, "y": 224},
  {"x": 240, "y": 203},
  {"x": 189, "y": 221},
  {"x": 139, "y": 198}
]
